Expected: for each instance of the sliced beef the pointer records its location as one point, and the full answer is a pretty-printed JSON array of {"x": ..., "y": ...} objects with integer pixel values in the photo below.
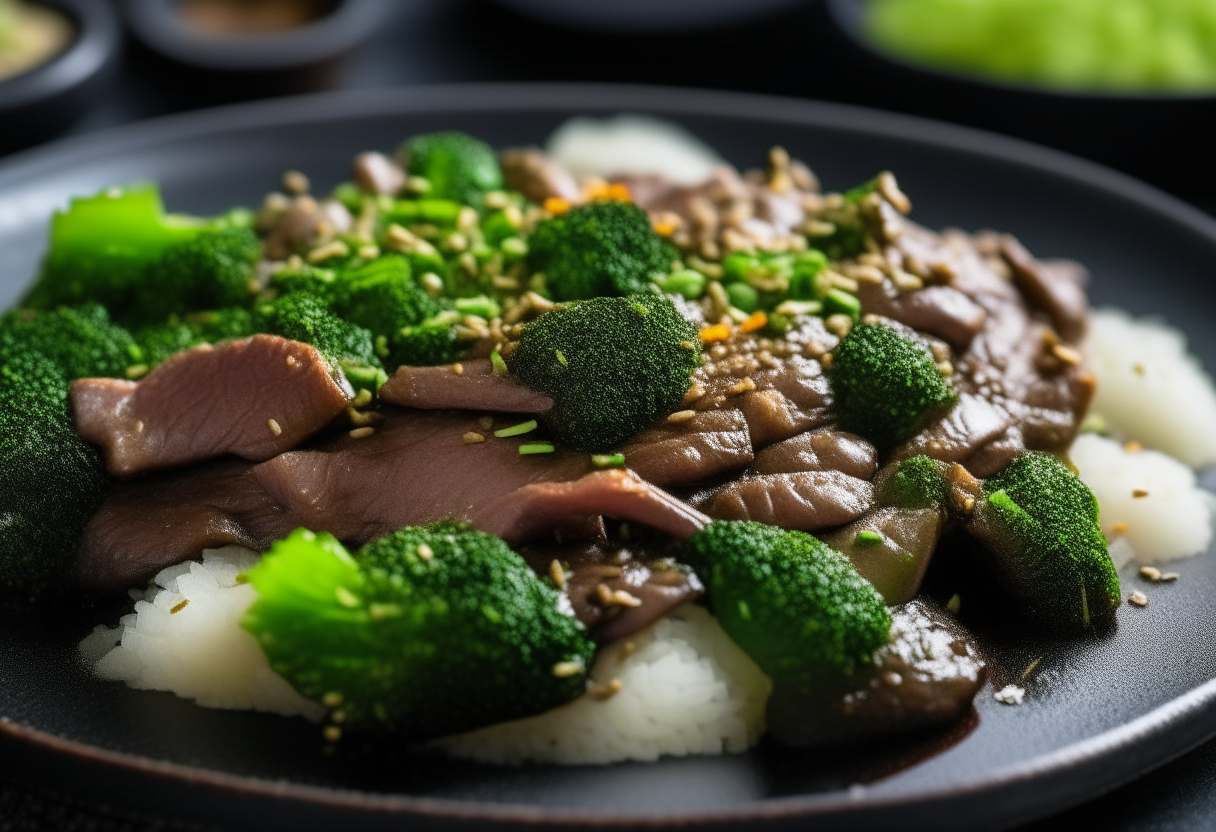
[
  {"x": 1056, "y": 287},
  {"x": 941, "y": 311},
  {"x": 416, "y": 467},
  {"x": 162, "y": 519},
  {"x": 806, "y": 501},
  {"x": 473, "y": 386},
  {"x": 927, "y": 675},
  {"x": 536, "y": 176},
  {"x": 895, "y": 562},
  {"x": 824, "y": 449},
  {"x": 705, "y": 445},
  {"x": 254, "y": 398},
  {"x": 615, "y": 590}
]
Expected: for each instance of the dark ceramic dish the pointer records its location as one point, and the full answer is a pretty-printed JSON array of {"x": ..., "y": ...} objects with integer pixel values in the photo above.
[
  {"x": 1100, "y": 710},
  {"x": 1161, "y": 137},
  {"x": 45, "y": 99},
  {"x": 303, "y": 57}
]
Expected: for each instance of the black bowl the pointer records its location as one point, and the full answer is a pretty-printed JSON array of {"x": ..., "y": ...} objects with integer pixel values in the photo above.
[
  {"x": 1164, "y": 137},
  {"x": 292, "y": 60},
  {"x": 44, "y": 100}
]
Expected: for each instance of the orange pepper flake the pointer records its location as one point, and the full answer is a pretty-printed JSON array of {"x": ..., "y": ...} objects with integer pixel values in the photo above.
[
  {"x": 664, "y": 229},
  {"x": 1118, "y": 528},
  {"x": 1133, "y": 447},
  {"x": 717, "y": 332},
  {"x": 754, "y": 321},
  {"x": 619, "y": 191},
  {"x": 556, "y": 205},
  {"x": 595, "y": 188}
]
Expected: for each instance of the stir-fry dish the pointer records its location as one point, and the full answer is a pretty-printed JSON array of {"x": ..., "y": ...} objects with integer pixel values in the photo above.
[{"x": 534, "y": 460}]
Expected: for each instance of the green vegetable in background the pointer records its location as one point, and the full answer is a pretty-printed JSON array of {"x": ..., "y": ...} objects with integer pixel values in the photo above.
[{"x": 457, "y": 166}]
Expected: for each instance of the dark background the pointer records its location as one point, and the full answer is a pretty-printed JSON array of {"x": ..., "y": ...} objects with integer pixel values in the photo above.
[{"x": 795, "y": 52}]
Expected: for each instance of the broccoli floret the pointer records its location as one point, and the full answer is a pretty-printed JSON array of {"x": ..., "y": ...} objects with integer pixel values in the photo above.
[
  {"x": 382, "y": 296},
  {"x": 1040, "y": 522},
  {"x": 426, "y": 632},
  {"x": 611, "y": 365},
  {"x": 847, "y": 237},
  {"x": 794, "y": 604},
  {"x": 886, "y": 384},
  {"x": 302, "y": 317},
  {"x": 80, "y": 341},
  {"x": 457, "y": 165},
  {"x": 606, "y": 247},
  {"x": 212, "y": 327},
  {"x": 211, "y": 271},
  {"x": 915, "y": 483},
  {"x": 51, "y": 481},
  {"x": 103, "y": 248},
  {"x": 425, "y": 345},
  {"x": 307, "y": 278}
]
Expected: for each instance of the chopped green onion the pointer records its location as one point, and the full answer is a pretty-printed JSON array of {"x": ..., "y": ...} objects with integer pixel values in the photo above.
[
  {"x": 516, "y": 430},
  {"x": 536, "y": 448},
  {"x": 867, "y": 538},
  {"x": 608, "y": 460},
  {"x": 481, "y": 306},
  {"x": 561, "y": 359},
  {"x": 514, "y": 246},
  {"x": 743, "y": 296},
  {"x": 840, "y": 302},
  {"x": 500, "y": 366},
  {"x": 687, "y": 283}
]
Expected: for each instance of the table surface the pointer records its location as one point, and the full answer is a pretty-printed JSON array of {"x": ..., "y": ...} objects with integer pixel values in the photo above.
[{"x": 441, "y": 41}]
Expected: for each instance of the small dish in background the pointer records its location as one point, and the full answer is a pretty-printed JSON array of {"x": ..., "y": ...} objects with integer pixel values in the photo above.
[
  {"x": 646, "y": 16},
  {"x": 44, "y": 86},
  {"x": 1160, "y": 136},
  {"x": 237, "y": 49}
]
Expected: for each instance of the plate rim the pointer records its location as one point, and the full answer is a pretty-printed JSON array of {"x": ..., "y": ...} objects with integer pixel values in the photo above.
[{"x": 1170, "y": 729}]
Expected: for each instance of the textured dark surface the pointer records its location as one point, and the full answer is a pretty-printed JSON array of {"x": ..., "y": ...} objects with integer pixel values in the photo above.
[{"x": 997, "y": 769}]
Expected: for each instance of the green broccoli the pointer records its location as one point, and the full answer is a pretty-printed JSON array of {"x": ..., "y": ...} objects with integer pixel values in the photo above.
[
  {"x": 886, "y": 384},
  {"x": 211, "y": 327},
  {"x": 211, "y": 271},
  {"x": 845, "y": 226},
  {"x": 428, "y": 344},
  {"x": 105, "y": 248},
  {"x": 915, "y": 483},
  {"x": 302, "y": 317},
  {"x": 426, "y": 632},
  {"x": 795, "y": 605},
  {"x": 80, "y": 341},
  {"x": 1040, "y": 523},
  {"x": 611, "y": 365},
  {"x": 456, "y": 165},
  {"x": 51, "y": 481},
  {"x": 381, "y": 296},
  {"x": 606, "y": 247}
]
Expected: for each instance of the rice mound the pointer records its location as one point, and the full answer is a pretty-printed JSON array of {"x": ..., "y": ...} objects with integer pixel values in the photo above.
[
  {"x": 1171, "y": 518},
  {"x": 686, "y": 688},
  {"x": 1150, "y": 388},
  {"x": 199, "y": 652},
  {"x": 630, "y": 144}
]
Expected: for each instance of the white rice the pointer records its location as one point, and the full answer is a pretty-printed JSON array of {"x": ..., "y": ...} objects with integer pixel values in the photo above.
[
  {"x": 1171, "y": 517},
  {"x": 1150, "y": 389},
  {"x": 631, "y": 144},
  {"x": 200, "y": 652},
  {"x": 686, "y": 688}
]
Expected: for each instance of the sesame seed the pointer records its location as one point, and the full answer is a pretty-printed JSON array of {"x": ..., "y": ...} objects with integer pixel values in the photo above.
[
  {"x": 1139, "y": 492},
  {"x": 296, "y": 183},
  {"x": 332, "y": 699},
  {"x": 139, "y": 425},
  {"x": 360, "y": 433},
  {"x": 1067, "y": 355},
  {"x": 746, "y": 385},
  {"x": 425, "y": 552},
  {"x": 292, "y": 361},
  {"x": 564, "y": 670},
  {"x": 332, "y": 733},
  {"x": 363, "y": 398},
  {"x": 1138, "y": 599},
  {"x": 624, "y": 599},
  {"x": 604, "y": 691},
  {"x": 1167, "y": 577},
  {"x": 681, "y": 416},
  {"x": 458, "y": 368},
  {"x": 275, "y": 428},
  {"x": 1150, "y": 572},
  {"x": 603, "y": 594},
  {"x": 557, "y": 574},
  {"x": 472, "y": 438},
  {"x": 889, "y": 188},
  {"x": 179, "y": 606}
]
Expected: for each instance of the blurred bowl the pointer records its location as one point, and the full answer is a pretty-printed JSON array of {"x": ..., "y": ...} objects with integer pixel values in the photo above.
[
  {"x": 45, "y": 99},
  {"x": 295, "y": 59},
  {"x": 1163, "y": 137}
]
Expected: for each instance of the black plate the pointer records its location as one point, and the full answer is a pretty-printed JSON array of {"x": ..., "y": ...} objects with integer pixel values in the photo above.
[{"x": 1099, "y": 710}]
